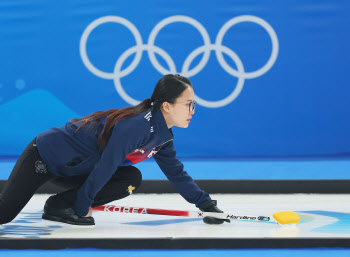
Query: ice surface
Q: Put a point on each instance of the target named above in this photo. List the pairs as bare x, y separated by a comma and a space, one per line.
321, 216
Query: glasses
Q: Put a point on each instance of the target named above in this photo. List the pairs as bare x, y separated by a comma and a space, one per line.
191, 105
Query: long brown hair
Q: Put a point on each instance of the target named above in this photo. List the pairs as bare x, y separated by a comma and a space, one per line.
168, 88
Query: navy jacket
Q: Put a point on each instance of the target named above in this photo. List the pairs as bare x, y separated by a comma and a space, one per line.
133, 139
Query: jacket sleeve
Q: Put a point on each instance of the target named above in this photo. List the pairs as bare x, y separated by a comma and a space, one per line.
127, 135
173, 169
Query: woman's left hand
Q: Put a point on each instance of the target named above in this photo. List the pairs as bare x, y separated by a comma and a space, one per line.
210, 206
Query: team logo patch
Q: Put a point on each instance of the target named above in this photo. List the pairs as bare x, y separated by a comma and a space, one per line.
151, 153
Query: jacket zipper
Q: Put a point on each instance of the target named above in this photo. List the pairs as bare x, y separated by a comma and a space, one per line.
162, 143
153, 150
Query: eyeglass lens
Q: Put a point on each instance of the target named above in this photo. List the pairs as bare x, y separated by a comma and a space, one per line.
192, 106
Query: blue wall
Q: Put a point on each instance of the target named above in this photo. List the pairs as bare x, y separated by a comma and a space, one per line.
296, 105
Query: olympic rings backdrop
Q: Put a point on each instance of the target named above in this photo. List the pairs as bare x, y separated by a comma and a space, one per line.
270, 77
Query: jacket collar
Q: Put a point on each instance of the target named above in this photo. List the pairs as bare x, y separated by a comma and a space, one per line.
161, 126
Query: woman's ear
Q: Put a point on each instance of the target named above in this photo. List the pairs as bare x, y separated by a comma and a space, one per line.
166, 106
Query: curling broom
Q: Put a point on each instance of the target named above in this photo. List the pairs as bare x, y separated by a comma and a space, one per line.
283, 217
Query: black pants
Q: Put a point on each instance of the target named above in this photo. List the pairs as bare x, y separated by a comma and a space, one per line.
24, 181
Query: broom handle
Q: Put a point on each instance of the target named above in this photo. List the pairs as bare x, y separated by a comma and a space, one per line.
193, 214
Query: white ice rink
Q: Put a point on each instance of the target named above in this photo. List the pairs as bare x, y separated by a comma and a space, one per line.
321, 216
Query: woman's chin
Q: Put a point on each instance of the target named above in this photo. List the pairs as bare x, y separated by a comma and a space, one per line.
183, 125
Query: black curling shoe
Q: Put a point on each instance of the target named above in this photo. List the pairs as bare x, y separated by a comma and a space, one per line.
65, 215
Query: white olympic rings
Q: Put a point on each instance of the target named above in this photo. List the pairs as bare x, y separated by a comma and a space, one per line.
205, 49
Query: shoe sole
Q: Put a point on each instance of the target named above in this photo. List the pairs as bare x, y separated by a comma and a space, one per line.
58, 219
